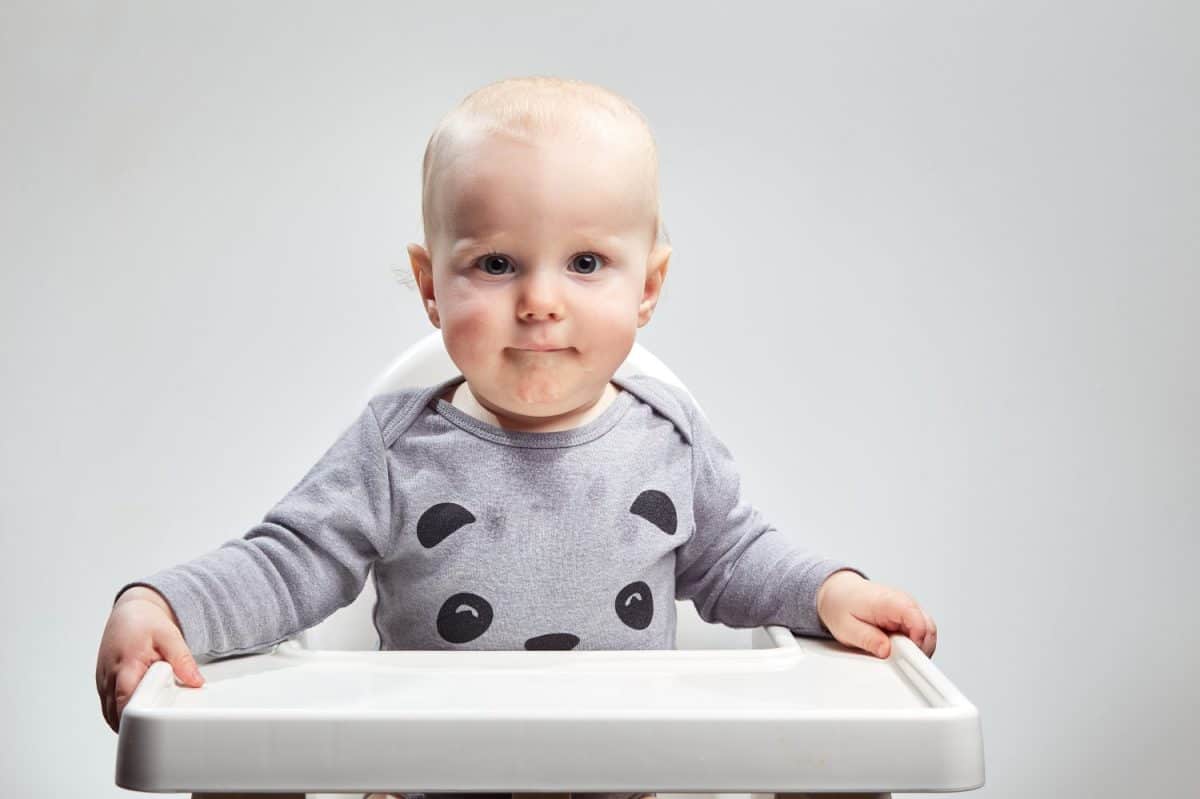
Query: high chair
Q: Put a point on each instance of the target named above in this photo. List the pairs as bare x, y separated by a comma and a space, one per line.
739, 713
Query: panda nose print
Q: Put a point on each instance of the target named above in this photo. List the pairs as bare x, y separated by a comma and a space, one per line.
553, 641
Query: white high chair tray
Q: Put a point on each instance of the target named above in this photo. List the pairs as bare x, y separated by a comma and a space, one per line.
804, 714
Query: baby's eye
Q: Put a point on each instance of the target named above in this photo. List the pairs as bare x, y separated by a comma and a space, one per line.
590, 261
494, 259
496, 264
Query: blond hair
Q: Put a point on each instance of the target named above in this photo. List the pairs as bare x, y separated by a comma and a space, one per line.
527, 107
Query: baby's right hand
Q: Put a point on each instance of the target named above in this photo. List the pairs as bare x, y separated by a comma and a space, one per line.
141, 629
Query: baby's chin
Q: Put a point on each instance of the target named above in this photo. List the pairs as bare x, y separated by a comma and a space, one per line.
542, 395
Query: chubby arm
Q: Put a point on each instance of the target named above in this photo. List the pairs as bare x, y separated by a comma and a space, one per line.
737, 568
308, 557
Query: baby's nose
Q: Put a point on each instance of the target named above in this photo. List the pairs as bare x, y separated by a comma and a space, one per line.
553, 641
540, 298
541, 311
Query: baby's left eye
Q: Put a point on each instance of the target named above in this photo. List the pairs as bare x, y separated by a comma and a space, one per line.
590, 262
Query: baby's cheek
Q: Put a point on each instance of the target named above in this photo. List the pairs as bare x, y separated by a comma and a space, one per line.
616, 322
470, 332
467, 353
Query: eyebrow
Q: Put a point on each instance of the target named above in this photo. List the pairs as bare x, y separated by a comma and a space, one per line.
471, 242
464, 244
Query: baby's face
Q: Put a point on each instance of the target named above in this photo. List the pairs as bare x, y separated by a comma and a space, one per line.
543, 267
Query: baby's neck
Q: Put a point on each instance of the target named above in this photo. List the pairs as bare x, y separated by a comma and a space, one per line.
462, 397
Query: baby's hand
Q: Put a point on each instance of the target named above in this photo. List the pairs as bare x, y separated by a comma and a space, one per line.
141, 629
861, 613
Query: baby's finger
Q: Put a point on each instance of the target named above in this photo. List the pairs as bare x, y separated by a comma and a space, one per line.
930, 637
175, 651
898, 611
100, 693
110, 707
915, 625
127, 682
886, 608
865, 636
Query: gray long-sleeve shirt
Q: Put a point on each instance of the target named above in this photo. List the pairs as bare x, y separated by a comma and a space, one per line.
486, 538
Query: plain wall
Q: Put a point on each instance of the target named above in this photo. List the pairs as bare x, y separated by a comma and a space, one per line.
935, 282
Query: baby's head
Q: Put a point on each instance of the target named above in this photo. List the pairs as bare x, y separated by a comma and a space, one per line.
542, 230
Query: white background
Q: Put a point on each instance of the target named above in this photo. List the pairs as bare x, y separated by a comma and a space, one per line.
935, 282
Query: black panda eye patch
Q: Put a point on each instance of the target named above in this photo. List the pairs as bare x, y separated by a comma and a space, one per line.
440, 521
657, 508
464, 617
635, 605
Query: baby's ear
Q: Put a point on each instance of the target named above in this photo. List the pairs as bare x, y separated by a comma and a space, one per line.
420, 259
422, 269
656, 272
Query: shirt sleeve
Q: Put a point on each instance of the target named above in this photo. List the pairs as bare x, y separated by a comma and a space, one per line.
737, 568
308, 557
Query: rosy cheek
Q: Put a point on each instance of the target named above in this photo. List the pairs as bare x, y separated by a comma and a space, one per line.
470, 330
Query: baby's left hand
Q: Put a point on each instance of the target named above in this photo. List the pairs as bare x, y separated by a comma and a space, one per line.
861, 613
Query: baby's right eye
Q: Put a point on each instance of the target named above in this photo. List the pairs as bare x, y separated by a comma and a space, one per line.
494, 259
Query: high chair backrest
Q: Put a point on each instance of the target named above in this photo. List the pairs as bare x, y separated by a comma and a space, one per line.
423, 364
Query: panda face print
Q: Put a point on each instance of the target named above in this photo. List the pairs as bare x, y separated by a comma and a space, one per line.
466, 615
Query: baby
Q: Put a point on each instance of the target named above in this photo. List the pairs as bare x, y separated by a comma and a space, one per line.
536, 500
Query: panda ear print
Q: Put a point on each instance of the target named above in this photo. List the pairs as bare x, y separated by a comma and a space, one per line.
657, 508
440, 521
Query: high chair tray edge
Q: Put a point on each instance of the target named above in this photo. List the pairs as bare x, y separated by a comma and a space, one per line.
799, 714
